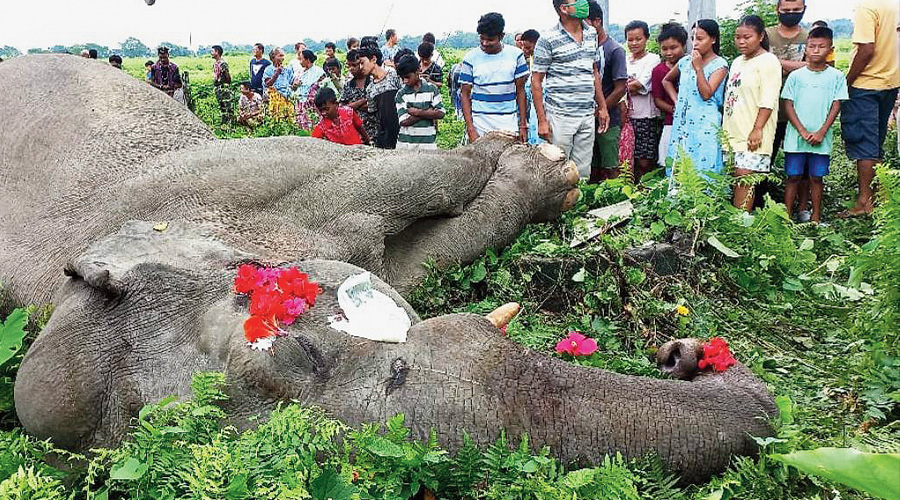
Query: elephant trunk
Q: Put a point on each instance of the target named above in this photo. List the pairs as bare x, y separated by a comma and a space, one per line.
694, 427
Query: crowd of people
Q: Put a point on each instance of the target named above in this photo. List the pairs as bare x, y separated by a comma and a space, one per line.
605, 105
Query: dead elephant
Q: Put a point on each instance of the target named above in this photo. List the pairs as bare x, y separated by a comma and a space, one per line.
161, 305
88, 153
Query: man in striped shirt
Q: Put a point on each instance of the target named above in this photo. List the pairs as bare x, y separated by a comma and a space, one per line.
419, 105
566, 84
492, 81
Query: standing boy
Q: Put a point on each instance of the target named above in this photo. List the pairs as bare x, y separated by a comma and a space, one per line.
613, 69
430, 70
339, 124
672, 42
812, 99
492, 83
419, 105
222, 84
381, 97
258, 66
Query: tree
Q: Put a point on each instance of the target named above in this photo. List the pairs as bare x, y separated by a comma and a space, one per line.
6, 52
102, 50
176, 50
132, 47
37, 51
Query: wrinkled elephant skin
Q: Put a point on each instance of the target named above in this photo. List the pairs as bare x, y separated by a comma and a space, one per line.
91, 159
144, 309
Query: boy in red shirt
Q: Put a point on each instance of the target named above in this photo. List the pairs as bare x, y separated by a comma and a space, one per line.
339, 124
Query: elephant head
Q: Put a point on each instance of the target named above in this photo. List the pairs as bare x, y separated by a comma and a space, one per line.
144, 309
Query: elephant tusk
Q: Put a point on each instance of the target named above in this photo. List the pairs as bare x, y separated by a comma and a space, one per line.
502, 315
571, 199
571, 173
551, 152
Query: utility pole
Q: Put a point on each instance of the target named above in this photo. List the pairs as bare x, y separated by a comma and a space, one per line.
604, 4
700, 9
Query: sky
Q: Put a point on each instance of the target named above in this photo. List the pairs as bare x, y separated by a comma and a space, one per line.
205, 22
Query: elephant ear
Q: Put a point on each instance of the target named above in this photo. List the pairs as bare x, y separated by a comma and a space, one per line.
106, 262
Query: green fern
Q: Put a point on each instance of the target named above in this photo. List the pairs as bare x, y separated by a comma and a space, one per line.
31, 484
655, 481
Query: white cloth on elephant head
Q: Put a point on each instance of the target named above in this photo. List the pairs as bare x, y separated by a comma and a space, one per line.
369, 313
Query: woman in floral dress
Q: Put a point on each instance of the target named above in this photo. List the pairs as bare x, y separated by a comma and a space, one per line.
698, 102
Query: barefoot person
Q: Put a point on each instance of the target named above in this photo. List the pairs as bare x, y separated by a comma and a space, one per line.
873, 80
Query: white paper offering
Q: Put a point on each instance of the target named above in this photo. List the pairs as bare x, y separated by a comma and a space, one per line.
369, 313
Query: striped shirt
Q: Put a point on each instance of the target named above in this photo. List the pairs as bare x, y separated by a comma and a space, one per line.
569, 68
493, 80
422, 134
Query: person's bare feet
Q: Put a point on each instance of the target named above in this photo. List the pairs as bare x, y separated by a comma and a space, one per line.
857, 211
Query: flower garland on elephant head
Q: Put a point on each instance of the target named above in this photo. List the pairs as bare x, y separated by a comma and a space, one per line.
277, 297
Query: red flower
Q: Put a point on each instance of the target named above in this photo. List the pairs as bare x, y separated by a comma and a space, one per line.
276, 296
577, 344
258, 327
311, 290
716, 355
247, 279
267, 304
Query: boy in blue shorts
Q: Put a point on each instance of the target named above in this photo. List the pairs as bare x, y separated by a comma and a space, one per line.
812, 100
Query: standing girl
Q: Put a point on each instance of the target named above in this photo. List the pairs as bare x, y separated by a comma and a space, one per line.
672, 41
644, 115
751, 105
306, 85
698, 100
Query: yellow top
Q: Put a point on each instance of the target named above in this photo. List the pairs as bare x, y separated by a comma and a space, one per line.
875, 22
752, 84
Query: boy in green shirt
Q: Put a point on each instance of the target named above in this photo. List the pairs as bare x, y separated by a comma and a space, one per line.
812, 98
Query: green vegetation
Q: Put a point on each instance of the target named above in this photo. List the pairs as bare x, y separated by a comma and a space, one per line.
812, 310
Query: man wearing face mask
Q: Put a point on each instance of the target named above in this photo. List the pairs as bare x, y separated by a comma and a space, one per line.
788, 42
567, 90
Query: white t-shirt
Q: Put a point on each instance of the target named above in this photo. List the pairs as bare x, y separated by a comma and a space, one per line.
642, 71
297, 68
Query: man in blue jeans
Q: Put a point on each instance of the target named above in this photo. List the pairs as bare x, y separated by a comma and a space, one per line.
873, 81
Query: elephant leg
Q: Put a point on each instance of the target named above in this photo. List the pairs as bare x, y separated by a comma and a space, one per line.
530, 185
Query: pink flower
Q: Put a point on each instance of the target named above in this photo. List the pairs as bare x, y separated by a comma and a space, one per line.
292, 308
577, 344
268, 277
